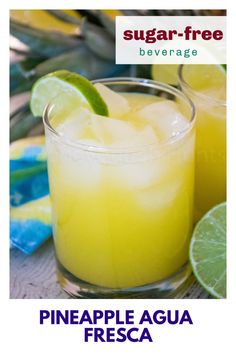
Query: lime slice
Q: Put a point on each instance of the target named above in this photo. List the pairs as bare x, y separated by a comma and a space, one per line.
51, 85
167, 73
224, 66
208, 251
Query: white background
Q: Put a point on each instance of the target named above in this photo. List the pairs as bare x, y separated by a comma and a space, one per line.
214, 320
208, 52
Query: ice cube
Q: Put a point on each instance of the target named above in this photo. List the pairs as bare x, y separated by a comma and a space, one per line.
89, 171
110, 131
80, 169
145, 136
143, 174
159, 197
119, 133
139, 175
117, 104
164, 117
75, 124
77, 165
85, 127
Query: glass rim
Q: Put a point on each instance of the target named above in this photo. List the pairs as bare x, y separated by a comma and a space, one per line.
125, 149
196, 93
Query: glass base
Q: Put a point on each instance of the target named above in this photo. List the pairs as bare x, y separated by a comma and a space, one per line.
163, 289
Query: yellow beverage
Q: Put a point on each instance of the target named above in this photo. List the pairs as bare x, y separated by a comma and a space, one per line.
206, 86
122, 190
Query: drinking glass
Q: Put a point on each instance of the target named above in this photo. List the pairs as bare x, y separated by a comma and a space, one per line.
122, 217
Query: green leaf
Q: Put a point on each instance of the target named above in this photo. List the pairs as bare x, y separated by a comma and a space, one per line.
61, 15
81, 61
18, 82
98, 40
45, 43
107, 22
22, 121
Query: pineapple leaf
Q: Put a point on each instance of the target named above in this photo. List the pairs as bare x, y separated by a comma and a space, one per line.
18, 81
96, 37
98, 40
61, 15
21, 75
81, 61
107, 22
22, 121
45, 43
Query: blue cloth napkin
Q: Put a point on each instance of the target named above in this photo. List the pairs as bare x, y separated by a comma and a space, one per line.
30, 212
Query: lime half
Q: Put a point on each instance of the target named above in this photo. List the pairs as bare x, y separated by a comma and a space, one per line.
208, 251
51, 85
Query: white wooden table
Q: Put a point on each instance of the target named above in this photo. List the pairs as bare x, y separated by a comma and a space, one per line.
34, 277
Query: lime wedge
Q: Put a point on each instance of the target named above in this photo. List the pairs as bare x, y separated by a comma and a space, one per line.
167, 73
208, 251
224, 66
51, 85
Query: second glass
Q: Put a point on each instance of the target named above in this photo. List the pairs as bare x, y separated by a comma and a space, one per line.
208, 94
